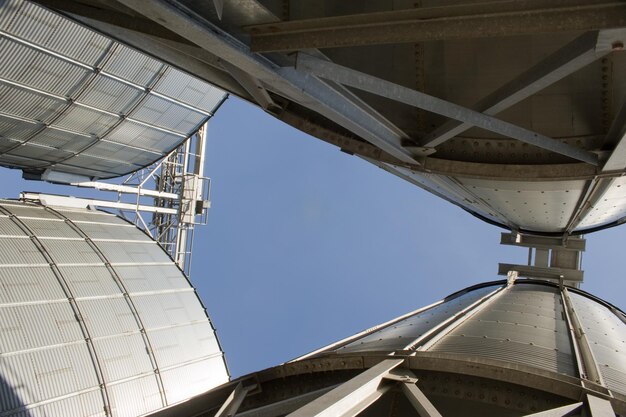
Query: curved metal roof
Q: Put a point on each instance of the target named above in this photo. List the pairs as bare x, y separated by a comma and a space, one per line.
95, 318
503, 348
526, 323
75, 101
513, 111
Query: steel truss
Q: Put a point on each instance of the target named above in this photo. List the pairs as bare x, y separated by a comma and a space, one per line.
166, 200
362, 391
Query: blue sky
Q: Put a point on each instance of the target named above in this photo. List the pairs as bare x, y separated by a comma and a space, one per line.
306, 245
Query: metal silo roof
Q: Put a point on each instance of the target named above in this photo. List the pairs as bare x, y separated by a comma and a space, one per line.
95, 318
74, 101
525, 323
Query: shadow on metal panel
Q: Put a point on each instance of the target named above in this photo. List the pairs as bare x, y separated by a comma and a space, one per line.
10, 402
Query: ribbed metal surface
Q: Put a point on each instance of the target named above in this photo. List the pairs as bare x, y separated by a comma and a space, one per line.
403, 333
525, 325
142, 136
135, 67
197, 374
54, 59
138, 396
16, 129
76, 332
607, 335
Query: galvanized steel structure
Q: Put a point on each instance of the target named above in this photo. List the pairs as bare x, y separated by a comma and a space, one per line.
512, 110
504, 348
77, 102
95, 318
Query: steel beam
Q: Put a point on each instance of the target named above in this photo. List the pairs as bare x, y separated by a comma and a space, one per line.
283, 407
470, 21
429, 338
353, 396
577, 54
531, 271
616, 137
349, 77
542, 242
419, 401
301, 88
252, 86
64, 201
566, 410
599, 407
234, 400
588, 368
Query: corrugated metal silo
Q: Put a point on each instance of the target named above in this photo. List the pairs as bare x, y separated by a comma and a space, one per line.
75, 101
95, 318
505, 348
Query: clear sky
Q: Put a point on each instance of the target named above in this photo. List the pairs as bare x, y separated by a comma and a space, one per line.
307, 245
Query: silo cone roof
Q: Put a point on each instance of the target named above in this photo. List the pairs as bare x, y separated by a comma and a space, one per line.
74, 101
95, 318
501, 348
523, 324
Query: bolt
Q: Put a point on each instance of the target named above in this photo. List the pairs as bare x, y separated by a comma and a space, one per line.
617, 45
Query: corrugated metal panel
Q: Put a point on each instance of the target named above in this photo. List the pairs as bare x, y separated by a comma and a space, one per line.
45, 374
111, 95
28, 284
45, 72
189, 90
133, 252
57, 73
19, 161
90, 281
91, 216
19, 251
71, 251
607, 337
9, 228
83, 170
170, 348
107, 317
86, 121
44, 352
17, 129
151, 278
50, 228
5, 145
526, 324
123, 356
107, 231
84, 404
63, 370
159, 112
27, 104
169, 309
70, 142
43, 154
403, 333
118, 152
41, 325
23, 210
193, 379
135, 397
133, 66
141, 136
39, 26
100, 165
